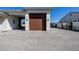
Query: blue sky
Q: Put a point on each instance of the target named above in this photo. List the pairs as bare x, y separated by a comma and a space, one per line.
11, 8
56, 14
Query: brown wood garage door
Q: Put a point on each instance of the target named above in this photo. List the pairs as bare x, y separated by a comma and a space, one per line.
35, 24
37, 21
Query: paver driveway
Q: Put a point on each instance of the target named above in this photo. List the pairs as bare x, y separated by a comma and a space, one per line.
56, 39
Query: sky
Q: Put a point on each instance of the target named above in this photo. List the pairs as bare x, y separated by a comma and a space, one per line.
56, 13
11, 8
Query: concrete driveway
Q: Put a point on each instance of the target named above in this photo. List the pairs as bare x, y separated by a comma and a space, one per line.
54, 40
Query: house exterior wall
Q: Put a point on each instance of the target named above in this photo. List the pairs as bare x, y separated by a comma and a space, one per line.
37, 10
64, 25
48, 21
59, 25
14, 21
72, 20
2, 19
7, 23
73, 16
27, 22
76, 26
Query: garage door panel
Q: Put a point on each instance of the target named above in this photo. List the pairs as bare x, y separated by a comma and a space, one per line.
35, 24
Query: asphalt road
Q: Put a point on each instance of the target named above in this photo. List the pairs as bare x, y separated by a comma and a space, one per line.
54, 40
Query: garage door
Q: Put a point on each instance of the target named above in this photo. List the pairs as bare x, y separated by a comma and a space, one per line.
37, 21
35, 24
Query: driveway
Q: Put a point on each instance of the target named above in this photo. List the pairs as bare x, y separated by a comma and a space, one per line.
54, 40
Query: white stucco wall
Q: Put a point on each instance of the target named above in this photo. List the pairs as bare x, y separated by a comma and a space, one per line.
64, 25
11, 21
75, 26
7, 23
27, 22
48, 21
38, 10
59, 25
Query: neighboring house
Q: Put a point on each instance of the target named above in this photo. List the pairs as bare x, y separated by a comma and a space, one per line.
53, 25
30, 18
71, 21
59, 25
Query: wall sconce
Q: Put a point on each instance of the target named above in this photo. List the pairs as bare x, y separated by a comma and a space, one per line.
26, 20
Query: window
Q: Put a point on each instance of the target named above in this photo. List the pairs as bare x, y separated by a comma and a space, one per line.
14, 21
75, 21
